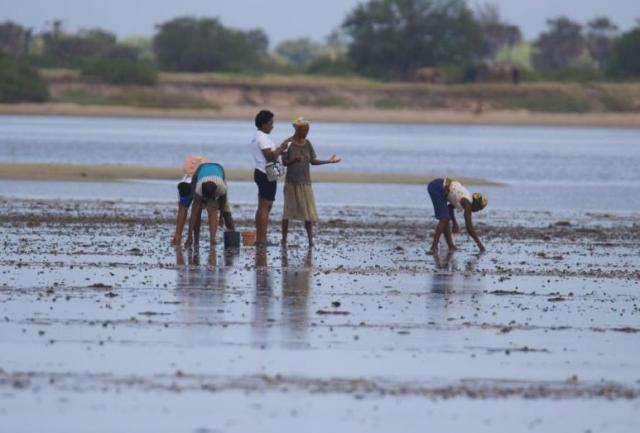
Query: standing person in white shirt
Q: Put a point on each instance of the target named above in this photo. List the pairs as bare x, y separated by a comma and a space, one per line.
264, 152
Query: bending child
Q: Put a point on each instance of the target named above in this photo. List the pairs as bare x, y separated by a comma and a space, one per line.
184, 194
209, 190
447, 195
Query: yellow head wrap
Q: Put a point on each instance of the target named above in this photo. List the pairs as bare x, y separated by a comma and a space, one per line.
300, 121
481, 199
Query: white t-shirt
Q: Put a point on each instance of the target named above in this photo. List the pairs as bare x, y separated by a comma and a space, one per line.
261, 141
456, 193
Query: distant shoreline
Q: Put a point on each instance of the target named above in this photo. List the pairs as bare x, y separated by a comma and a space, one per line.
351, 115
89, 173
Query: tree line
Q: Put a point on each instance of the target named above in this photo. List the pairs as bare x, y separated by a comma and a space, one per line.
442, 40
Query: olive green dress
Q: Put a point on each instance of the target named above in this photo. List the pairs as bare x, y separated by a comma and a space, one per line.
299, 202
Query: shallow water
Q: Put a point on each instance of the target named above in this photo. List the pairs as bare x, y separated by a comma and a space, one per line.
105, 327
510, 154
569, 200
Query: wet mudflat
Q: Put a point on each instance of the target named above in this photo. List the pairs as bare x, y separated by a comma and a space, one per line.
105, 327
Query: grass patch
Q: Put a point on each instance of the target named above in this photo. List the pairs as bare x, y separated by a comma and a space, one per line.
322, 101
150, 98
550, 102
82, 97
143, 98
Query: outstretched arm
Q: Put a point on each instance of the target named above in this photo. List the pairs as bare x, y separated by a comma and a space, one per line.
332, 160
469, 224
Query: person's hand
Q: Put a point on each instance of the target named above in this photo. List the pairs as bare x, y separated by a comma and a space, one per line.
334, 159
298, 158
175, 240
285, 143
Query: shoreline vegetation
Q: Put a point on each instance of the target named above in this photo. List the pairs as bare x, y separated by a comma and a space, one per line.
343, 99
89, 173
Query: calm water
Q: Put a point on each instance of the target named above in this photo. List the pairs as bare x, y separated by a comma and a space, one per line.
516, 155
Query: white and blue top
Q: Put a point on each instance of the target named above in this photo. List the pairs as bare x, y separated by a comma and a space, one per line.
210, 172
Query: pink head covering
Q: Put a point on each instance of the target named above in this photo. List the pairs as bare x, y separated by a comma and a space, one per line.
192, 162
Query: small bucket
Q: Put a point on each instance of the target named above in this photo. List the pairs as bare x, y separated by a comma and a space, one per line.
249, 238
231, 240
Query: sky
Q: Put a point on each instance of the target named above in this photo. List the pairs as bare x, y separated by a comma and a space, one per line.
280, 19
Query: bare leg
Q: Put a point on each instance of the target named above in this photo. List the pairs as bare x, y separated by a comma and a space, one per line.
285, 231
180, 221
212, 213
308, 225
262, 220
449, 237
193, 234
196, 225
440, 228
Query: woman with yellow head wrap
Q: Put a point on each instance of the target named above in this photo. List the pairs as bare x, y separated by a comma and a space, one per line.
299, 201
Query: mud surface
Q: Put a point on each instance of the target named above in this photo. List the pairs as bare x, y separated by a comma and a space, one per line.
105, 327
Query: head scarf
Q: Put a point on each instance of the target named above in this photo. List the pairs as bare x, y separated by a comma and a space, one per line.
481, 199
300, 121
191, 164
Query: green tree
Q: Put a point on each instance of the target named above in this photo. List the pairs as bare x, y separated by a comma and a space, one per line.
390, 39
61, 49
202, 45
563, 46
625, 61
300, 52
20, 82
600, 37
14, 39
496, 34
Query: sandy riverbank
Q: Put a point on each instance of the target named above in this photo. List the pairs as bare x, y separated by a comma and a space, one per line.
356, 115
57, 172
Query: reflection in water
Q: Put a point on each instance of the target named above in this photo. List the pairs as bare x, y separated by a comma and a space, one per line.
201, 289
263, 305
296, 282
448, 273
448, 281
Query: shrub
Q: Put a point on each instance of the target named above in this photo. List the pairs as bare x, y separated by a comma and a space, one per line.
120, 71
327, 66
21, 82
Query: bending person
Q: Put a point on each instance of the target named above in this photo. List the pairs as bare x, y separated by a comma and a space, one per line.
184, 194
447, 195
209, 191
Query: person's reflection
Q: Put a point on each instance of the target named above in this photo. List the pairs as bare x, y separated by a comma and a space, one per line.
448, 282
442, 279
295, 294
263, 298
200, 289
